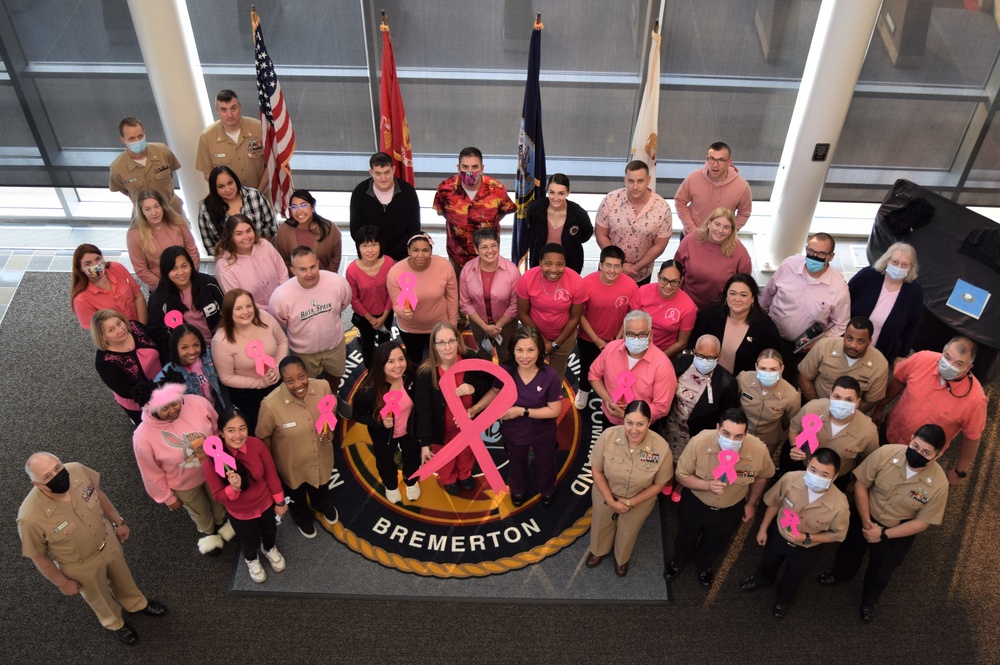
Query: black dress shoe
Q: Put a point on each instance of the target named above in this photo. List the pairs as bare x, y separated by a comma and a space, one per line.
452, 488
154, 608
621, 570
548, 500
126, 635
778, 611
706, 578
828, 578
468, 484
750, 584
517, 500
671, 571
867, 613
593, 560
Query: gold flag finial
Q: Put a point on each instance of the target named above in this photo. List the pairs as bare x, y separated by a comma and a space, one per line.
384, 27
538, 21
656, 26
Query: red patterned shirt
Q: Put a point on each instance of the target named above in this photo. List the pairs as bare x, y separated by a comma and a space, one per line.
463, 216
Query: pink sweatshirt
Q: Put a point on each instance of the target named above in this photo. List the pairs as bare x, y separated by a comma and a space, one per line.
312, 317
147, 266
260, 273
436, 291
234, 366
169, 453
707, 269
699, 195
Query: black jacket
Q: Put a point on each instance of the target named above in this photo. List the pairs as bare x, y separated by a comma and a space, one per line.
762, 334
725, 395
366, 413
397, 222
429, 404
209, 294
575, 232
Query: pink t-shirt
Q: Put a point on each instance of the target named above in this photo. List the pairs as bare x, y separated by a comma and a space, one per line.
401, 415
550, 302
707, 269
204, 384
886, 301
607, 305
195, 318
369, 294
437, 295
670, 317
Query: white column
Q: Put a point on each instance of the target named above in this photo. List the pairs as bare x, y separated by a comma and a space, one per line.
163, 28
843, 31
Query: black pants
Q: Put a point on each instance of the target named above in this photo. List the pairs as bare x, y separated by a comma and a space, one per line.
798, 562
703, 533
883, 558
588, 354
256, 533
319, 498
643, 282
415, 346
369, 336
388, 472
791, 360
248, 401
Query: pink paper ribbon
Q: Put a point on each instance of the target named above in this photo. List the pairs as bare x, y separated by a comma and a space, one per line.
407, 284
811, 425
255, 349
625, 380
173, 318
790, 520
726, 471
391, 400
471, 429
214, 449
326, 415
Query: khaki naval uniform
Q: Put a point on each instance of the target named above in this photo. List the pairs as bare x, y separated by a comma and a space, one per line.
826, 362
245, 157
131, 178
628, 473
708, 520
893, 498
80, 539
853, 443
769, 410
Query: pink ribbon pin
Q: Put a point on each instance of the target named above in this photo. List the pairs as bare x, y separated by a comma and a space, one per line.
391, 399
790, 520
213, 448
326, 416
625, 380
255, 349
471, 429
407, 284
726, 471
173, 318
811, 425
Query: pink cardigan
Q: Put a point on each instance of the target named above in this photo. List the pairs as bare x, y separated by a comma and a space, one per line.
260, 273
234, 366
147, 266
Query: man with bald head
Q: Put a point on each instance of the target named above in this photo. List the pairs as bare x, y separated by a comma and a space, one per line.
73, 534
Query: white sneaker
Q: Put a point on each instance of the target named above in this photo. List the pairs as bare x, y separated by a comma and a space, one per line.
582, 397
413, 491
257, 573
394, 496
275, 559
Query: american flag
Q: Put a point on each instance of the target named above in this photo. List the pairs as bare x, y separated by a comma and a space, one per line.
279, 137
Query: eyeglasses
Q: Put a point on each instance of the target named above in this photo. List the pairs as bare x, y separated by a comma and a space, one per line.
813, 254
296, 206
446, 342
704, 357
614, 267
369, 245
632, 335
716, 160
669, 282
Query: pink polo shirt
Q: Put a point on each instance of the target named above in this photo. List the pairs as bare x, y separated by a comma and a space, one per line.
925, 401
260, 273
794, 300
312, 317
503, 298
670, 317
607, 305
655, 380
551, 301
121, 297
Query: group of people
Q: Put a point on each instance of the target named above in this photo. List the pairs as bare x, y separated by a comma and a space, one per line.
232, 380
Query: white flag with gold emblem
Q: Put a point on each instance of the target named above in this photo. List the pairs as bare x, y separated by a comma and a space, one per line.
644, 136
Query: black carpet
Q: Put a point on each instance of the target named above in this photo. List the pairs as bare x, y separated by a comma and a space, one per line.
941, 605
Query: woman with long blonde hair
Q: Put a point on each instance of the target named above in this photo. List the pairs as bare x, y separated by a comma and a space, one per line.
155, 226
711, 255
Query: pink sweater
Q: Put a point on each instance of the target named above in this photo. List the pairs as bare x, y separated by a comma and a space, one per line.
147, 266
312, 317
436, 291
707, 269
234, 366
699, 195
169, 453
260, 273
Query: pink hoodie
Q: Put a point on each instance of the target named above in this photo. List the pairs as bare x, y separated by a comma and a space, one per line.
699, 195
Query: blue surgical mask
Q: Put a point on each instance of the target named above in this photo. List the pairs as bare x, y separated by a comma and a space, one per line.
138, 147
768, 379
816, 483
728, 444
636, 345
704, 366
814, 265
895, 272
841, 409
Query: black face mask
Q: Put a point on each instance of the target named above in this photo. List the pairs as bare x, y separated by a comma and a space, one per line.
915, 460
59, 483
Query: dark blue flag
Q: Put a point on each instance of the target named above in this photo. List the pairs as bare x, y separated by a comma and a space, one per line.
530, 181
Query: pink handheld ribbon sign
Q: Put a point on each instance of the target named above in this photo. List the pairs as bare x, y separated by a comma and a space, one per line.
326, 415
625, 380
790, 520
173, 318
214, 449
391, 400
811, 425
255, 349
726, 471
407, 293
471, 429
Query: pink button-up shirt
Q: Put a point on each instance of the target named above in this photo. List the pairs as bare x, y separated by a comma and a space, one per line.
655, 380
795, 301
503, 299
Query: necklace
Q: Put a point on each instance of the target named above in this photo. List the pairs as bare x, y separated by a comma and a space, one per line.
546, 291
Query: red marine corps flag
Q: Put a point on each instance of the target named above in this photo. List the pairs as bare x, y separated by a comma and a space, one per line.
279, 137
394, 134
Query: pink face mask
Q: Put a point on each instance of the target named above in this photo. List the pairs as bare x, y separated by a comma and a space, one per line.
469, 178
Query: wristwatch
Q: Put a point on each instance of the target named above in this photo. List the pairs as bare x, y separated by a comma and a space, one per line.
961, 474
808, 540
526, 412
555, 347
885, 536
114, 527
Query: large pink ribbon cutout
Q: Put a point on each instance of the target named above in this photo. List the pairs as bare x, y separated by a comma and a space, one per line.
625, 380
173, 318
471, 429
407, 293
214, 449
726, 471
391, 400
790, 520
326, 415
811, 425
255, 349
